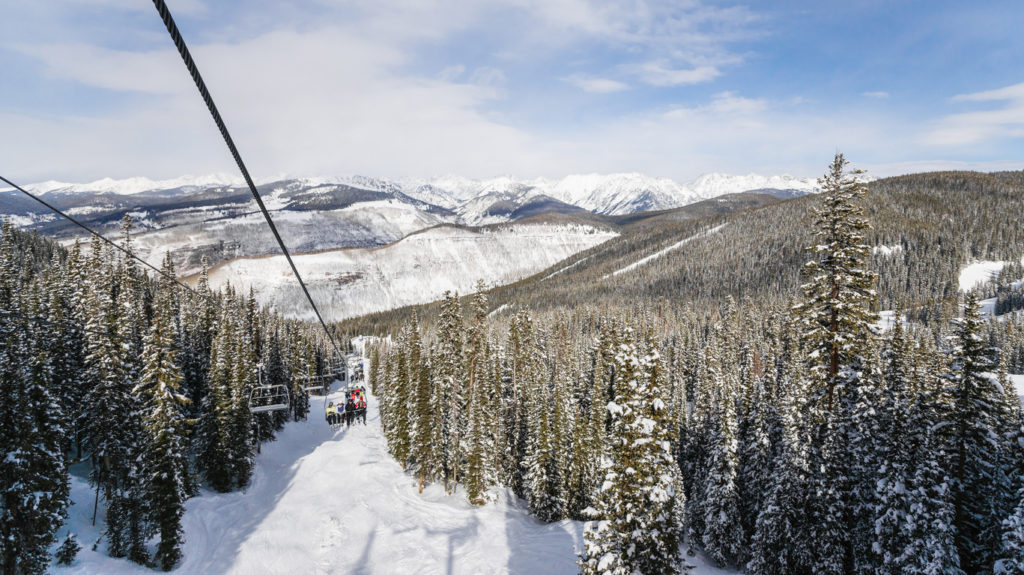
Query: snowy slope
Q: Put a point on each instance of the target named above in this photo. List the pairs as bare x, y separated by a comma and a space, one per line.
417, 269
1018, 382
324, 502
979, 272
662, 252
373, 223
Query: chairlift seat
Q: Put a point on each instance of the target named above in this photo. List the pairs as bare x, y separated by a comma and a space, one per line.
268, 398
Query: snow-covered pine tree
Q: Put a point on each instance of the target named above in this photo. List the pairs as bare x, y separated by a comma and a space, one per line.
446, 369
722, 536
780, 543
927, 531
836, 313
480, 474
589, 441
542, 476
836, 321
972, 422
165, 425
422, 410
68, 550
521, 371
214, 438
200, 318
241, 448
638, 528
1012, 560
109, 415
32, 467
481, 448
759, 431
890, 497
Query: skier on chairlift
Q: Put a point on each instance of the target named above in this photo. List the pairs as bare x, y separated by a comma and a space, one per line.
332, 414
350, 412
361, 408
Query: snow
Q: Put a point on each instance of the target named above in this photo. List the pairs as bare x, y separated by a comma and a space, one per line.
618, 193
564, 269
664, 251
325, 501
979, 272
417, 269
136, 185
886, 321
887, 250
1018, 382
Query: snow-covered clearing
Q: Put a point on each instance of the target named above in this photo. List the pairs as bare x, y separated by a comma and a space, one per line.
1018, 382
325, 501
977, 273
887, 250
660, 253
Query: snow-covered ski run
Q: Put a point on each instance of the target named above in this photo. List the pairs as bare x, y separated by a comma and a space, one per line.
326, 501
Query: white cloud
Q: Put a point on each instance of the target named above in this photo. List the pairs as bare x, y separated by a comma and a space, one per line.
660, 73
159, 72
970, 128
487, 76
877, 95
314, 98
595, 85
451, 73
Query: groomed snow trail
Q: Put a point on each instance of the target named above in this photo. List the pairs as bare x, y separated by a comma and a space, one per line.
325, 501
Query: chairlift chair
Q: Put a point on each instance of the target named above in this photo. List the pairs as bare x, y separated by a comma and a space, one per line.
314, 387
268, 398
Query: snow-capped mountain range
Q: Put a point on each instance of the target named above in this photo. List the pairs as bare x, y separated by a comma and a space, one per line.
610, 194
344, 224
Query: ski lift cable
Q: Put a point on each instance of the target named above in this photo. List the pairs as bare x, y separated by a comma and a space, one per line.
96, 234
186, 56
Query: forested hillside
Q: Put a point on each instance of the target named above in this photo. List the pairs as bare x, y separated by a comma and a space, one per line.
781, 431
925, 228
137, 383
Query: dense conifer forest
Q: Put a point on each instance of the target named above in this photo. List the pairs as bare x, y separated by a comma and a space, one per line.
740, 395
136, 382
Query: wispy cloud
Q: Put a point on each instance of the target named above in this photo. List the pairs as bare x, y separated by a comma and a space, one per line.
595, 84
660, 73
967, 128
878, 95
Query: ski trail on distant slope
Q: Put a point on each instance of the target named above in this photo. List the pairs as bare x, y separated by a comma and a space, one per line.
660, 253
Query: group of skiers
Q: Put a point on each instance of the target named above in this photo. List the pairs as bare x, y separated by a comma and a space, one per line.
354, 409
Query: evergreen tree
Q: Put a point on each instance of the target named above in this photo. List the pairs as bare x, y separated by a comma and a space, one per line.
68, 550
974, 457
165, 425
32, 467
446, 369
1012, 561
722, 536
638, 528
480, 474
424, 424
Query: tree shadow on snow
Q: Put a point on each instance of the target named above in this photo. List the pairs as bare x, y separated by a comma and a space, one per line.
460, 539
536, 547
363, 566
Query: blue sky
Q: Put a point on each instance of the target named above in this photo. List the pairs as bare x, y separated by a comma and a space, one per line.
415, 88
